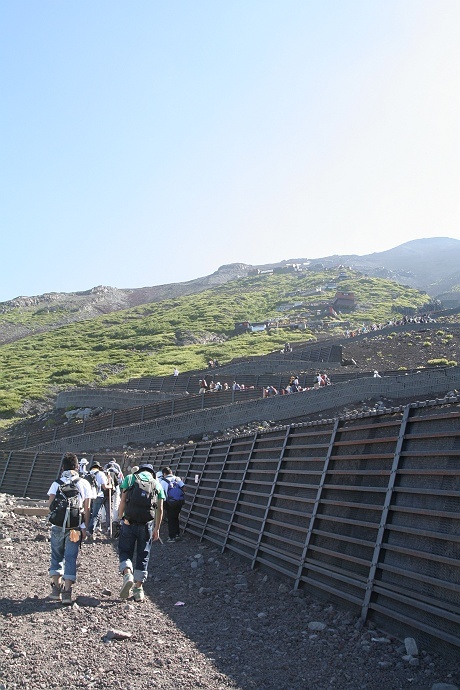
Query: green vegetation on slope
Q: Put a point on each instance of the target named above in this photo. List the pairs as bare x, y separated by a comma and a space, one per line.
147, 340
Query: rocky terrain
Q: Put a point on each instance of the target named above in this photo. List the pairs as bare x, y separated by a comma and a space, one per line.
208, 621
429, 264
63, 308
386, 351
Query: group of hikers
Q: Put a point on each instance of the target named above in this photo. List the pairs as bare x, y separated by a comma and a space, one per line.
321, 379
360, 330
206, 385
134, 504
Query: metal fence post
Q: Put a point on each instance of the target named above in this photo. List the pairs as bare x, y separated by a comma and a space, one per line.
270, 497
216, 488
243, 479
315, 508
384, 516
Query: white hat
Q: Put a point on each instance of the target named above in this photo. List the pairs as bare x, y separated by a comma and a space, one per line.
83, 461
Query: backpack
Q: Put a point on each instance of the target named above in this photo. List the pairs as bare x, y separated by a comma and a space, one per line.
141, 501
174, 492
112, 474
91, 479
65, 510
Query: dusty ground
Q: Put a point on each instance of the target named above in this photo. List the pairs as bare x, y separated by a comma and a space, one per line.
409, 350
236, 629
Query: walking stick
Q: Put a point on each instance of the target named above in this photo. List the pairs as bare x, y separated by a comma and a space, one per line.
110, 512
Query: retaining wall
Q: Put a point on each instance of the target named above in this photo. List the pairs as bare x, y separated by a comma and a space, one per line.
109, 398
427, 382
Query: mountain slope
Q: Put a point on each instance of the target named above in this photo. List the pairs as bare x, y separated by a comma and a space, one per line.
187, 331
430, 264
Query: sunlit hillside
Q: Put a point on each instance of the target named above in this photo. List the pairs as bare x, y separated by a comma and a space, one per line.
188, 331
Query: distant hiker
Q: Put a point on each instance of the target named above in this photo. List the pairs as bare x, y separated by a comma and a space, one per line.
69, 503
270, 391
174, 490
140, 513
100, 481
203, 386
294, 384
376, 374
112, 493
208, 378
236, 386
176, 371
82, 465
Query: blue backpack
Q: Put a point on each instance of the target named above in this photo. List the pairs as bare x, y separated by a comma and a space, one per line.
175, 492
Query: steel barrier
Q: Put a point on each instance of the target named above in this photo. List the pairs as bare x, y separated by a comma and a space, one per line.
365, 512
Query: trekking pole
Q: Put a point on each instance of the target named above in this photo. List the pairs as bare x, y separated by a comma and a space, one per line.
110, 512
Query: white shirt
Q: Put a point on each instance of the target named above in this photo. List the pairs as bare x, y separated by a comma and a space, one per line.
101, 480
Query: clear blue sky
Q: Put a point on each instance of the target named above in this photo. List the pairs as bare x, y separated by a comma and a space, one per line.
151, 142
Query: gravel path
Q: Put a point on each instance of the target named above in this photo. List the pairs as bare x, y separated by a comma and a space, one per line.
235, 628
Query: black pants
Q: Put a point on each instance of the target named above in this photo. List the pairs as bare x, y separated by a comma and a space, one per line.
173, 509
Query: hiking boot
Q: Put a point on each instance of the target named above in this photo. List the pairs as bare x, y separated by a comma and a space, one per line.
138, 593
128, 581
66, 597
170, 541
56, 592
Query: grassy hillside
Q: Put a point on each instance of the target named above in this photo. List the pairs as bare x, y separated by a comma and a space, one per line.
184, 332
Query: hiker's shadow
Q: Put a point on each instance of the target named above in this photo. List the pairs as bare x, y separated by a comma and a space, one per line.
24, 607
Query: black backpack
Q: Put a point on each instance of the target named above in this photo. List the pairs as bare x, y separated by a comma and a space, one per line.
141, 501
65, 510
91, 479
112, 474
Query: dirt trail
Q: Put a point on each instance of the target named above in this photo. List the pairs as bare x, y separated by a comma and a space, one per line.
208, 621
